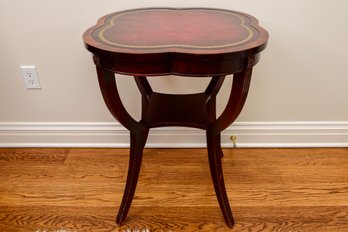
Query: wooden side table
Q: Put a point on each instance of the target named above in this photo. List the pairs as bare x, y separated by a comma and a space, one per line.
195, 42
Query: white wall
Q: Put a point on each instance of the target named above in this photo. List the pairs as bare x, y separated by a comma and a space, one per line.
302, 75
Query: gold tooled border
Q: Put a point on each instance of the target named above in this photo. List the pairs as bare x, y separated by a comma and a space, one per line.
112, 22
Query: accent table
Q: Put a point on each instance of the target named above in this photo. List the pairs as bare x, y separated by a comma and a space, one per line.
194, 42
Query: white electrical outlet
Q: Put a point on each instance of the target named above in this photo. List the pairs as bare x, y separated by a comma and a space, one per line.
30, 77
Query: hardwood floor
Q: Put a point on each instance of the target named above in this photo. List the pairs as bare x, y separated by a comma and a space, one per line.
69, 190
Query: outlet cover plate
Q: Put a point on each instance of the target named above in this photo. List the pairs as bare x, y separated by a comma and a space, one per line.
30, 76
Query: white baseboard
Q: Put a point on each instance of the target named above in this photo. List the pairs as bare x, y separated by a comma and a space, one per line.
249, 134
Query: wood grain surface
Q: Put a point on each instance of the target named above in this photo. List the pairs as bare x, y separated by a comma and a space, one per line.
68, 190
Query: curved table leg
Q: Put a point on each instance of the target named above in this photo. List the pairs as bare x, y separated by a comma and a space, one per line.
238, 95
138, 136
146, 91
136, 153
239, 91
218, 178
212, 90
107, 84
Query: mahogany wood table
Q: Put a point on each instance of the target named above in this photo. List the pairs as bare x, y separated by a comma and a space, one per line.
195, 42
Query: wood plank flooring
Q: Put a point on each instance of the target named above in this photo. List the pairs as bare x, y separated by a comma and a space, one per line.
74, 190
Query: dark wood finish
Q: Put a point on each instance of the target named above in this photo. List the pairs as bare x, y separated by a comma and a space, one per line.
190, 42
77, 189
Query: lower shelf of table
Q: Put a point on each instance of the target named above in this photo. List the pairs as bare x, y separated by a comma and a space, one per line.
176, 110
